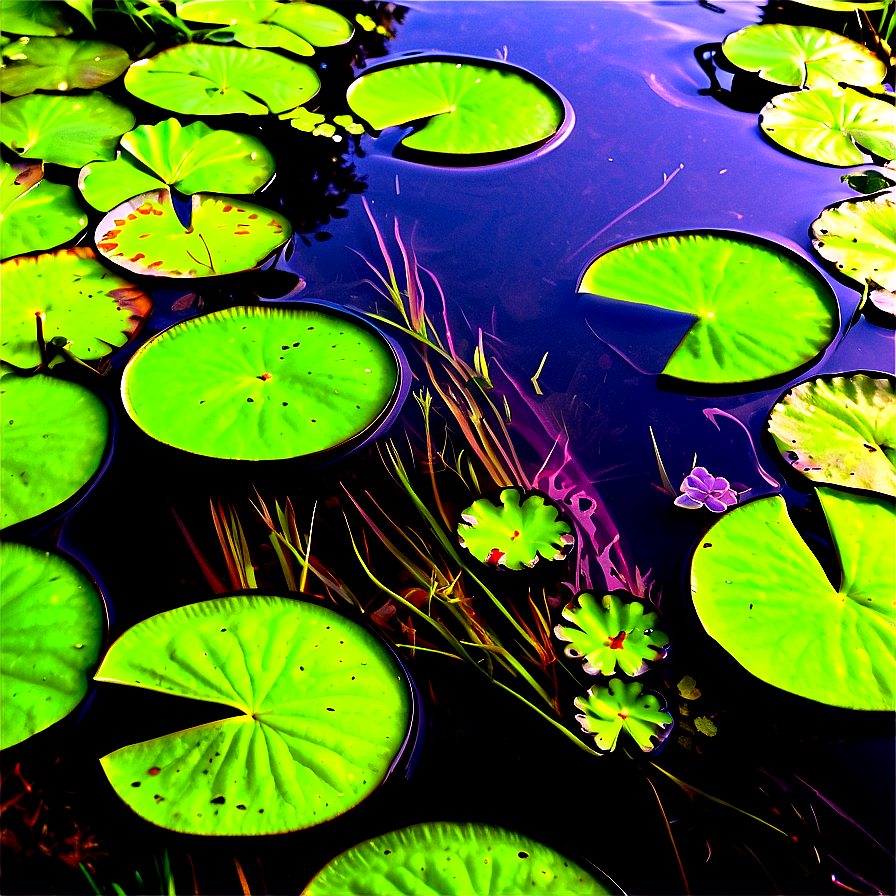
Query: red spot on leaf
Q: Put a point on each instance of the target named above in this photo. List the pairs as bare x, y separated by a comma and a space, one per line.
131, 217
494, 556
623, 714
616, 643
154, 770
157, 212
516, 534
227, 208
107, 247
119, 222
111, 234
252, 217
138, 256
144, 209
155, 264
241, 233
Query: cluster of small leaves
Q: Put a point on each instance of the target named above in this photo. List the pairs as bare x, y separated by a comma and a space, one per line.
703, 725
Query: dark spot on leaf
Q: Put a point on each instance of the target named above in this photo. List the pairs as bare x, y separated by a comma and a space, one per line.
218, 801
135, 784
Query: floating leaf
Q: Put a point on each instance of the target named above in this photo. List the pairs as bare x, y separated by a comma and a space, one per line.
54, 439
263, 36
830, 124
761, 593
36, 213
303, 120
53, 626
324, 713
291, 383
515, 533
758, 310
706, 726
84, 303
36, 17
839, 431
859, 238
203, 79
144, 235
688, 689
803, 56
470, 107
54, 63
613, 633
868, 182
67, 130
609, 708
193, 159
456, 858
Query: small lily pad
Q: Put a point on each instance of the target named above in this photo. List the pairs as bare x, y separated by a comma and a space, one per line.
457, 859
613, 633
858, 237
55, 435
324, 711
803, 56
830, 124
204, 79
868, 182
839, 431
515, 533
762, 594
53, 626
608, 709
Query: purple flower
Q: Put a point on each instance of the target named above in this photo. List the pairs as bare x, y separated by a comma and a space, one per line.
701, 489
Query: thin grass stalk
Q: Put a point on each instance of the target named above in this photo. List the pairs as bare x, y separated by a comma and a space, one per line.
659, 802
303, 581
244, 884
227, 547
207, 570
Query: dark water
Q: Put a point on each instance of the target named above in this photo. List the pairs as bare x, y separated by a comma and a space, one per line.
506, 244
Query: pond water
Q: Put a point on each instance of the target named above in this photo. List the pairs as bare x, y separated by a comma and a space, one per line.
508, 244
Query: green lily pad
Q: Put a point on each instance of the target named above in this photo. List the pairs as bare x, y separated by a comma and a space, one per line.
517, 532
457, 858
868, 182
469, 107
67, 130
613, 633
803, 56
54, 439
36, 17
263, 36
757, 311
761, 593
830, 124
53, 626
839, 431
324, 710
35, 214
204, 79
859, 238
144, 235
193, 159
609, 709
55, 63
95, 311
292, 383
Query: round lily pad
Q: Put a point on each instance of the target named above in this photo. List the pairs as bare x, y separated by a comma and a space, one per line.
204, 79
803, 56
225, 235
517, 531
193, 159
258, 383
67, 130
762, 594
53, 627
471, 106
35, 17
859, 238
453, 858
54, 440
839, 431
324, 711
830, 124
758, 311
92, 309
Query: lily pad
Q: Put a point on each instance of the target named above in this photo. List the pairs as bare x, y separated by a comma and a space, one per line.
53, 627
291, 383
839, 431
457, 858
830, 124
323, 713
55, 435
204, 79
193, 159
609, 709
761, 593
858, 236
757, 310
35, 213
66, 130
35, 17
95, 311
470, 106
55, 63
144, 235
516, 532
613, 632
803, 56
